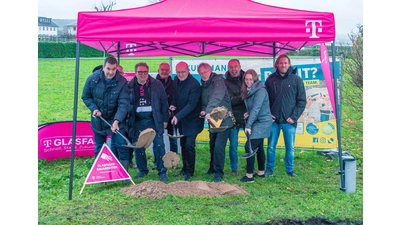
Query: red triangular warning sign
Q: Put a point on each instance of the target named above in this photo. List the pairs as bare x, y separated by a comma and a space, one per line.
106, 167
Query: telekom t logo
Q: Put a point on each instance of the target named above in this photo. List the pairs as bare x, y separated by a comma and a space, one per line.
314, 28
130, 48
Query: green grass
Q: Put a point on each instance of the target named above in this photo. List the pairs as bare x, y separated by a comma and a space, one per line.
314, 193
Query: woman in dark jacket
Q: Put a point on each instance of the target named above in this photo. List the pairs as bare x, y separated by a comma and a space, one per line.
258, 122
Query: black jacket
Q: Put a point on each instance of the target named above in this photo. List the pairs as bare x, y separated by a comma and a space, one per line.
234, 87
169, 88
159, 105
287, 95
188, 105
111, 99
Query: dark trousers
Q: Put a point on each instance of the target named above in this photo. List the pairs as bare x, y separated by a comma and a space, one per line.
255, 143
188, 145
217, 152
117, 145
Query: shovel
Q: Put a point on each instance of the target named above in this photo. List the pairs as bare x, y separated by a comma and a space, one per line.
251, 151
214, 129
128, 143
174, 129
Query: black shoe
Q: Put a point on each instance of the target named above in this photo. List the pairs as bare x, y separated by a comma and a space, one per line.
217, 179
247, 180
250, 153
180, 173
132, 165
260, 176
292, 174
209, 172
126, 182
163, 177
140, 175
187, 177
154, 167
234, 172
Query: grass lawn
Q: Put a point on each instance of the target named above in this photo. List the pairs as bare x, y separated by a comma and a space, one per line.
313, 194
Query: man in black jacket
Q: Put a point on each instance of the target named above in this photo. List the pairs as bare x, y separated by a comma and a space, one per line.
233, 82
186, 106
106, 94
148, 109
287, 97
164, 71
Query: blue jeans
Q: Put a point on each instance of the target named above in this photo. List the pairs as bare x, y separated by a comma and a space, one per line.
117, 145
159, 152
233, 148
289, 133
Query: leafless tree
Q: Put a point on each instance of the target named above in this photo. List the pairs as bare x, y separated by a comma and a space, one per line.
105, 6
353, 82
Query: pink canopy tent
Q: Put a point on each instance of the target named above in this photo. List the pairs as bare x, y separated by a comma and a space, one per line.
199, 28
204, 27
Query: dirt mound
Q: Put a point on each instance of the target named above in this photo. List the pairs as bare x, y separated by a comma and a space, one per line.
158, 189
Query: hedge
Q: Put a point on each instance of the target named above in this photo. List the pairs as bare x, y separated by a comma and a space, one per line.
65, 50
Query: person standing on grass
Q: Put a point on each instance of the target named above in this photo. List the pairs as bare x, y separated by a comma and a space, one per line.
164, 76
106, 94
186, 106
287, 98
233, 81
213, 95
148, 109
258, 122
131, 164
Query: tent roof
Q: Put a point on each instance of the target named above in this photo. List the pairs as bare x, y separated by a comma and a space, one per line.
204, 27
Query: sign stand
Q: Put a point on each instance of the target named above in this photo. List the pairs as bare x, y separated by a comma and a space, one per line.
106, 168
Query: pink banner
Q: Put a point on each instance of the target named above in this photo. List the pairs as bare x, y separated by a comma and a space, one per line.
55, 140
129, 75
326, 70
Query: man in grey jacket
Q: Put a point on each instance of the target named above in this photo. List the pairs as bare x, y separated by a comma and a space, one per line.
214, 94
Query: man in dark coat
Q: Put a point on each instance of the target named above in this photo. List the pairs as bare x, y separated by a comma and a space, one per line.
186, 106
106, 94
164, 76
287, 98
233, 82
213, 95
149, 109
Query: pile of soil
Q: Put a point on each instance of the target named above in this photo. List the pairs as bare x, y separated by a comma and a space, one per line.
158, 189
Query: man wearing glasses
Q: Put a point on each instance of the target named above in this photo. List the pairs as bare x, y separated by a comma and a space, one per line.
214, 94
148, 109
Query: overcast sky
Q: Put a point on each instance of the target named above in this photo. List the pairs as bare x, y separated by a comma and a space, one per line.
348, 13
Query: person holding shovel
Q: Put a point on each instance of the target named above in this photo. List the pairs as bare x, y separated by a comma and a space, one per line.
164, 75
213, 95
106, 94
186, 108
148, 109
258, 123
